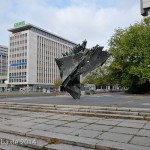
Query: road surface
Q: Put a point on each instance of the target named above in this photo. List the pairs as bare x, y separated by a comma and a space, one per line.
107, 99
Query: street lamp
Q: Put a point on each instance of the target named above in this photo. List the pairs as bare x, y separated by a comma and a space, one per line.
6, 82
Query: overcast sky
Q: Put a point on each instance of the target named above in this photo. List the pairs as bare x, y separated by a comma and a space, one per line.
76, 20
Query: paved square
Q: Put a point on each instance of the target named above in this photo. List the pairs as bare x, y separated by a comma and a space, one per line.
108, 122
70, 118
143, 132
86, 133
74, 132
117, 137
124, 130
145, 141
76, 125
57, 122
64, 130
132, 125
98, 127
88, 120
43, 127
147, 126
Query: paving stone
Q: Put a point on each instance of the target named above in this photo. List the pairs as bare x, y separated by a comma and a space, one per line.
143, 132
98, 127
43, 134
124, 130
39, 115
57, 116
39, 120
16, 113
76, 125
132, 125
135, 121
69, 139
138, 140
86, 133
14, 130
147, 126
119, 146
8, 117
88, 120
56, 122
24, 124
64, 147
64, 130
19, 121
118, 120
71, 118
13, 147
24, 119
23, 140
11, 122
108, 122
117, 137
28, 114
43, 127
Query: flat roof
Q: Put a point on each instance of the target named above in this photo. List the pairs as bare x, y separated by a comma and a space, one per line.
29, 26
2, 46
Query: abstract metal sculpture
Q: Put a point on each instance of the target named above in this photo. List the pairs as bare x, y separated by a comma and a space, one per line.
79, 60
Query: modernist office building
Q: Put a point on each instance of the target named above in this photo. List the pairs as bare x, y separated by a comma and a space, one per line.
3, 66
32, 51
145, 8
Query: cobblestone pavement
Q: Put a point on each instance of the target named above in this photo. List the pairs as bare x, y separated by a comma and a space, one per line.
38, 130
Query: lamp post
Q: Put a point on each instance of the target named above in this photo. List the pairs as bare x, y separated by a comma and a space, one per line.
6, 82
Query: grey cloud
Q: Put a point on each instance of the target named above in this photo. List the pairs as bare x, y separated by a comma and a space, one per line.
75, 22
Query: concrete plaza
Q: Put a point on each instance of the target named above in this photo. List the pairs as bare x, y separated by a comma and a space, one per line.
20, 129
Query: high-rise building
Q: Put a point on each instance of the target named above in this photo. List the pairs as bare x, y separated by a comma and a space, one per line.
32, 53
145, 8
3, 66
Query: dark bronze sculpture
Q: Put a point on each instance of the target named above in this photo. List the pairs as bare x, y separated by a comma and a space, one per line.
79, 61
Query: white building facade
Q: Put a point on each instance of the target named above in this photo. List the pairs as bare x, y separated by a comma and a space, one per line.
145, 8
32, 53
3, 66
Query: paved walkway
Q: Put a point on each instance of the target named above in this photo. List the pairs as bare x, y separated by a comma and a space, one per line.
39, 130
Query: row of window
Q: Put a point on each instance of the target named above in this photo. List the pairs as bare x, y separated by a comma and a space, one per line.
2, 53
18, 67
3, 56
2, 74
2, 68
52, 37
3, 49
43, 42
18, 55
17, 36
2, 81
17, 74
18, 61
18, 49
18, 42
17, 80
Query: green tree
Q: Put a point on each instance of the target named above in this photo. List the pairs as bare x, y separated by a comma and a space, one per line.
130, 49
57, 83
98, 76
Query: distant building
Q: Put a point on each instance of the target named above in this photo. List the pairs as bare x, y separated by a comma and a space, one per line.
31, 56
3, 66
145, 8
